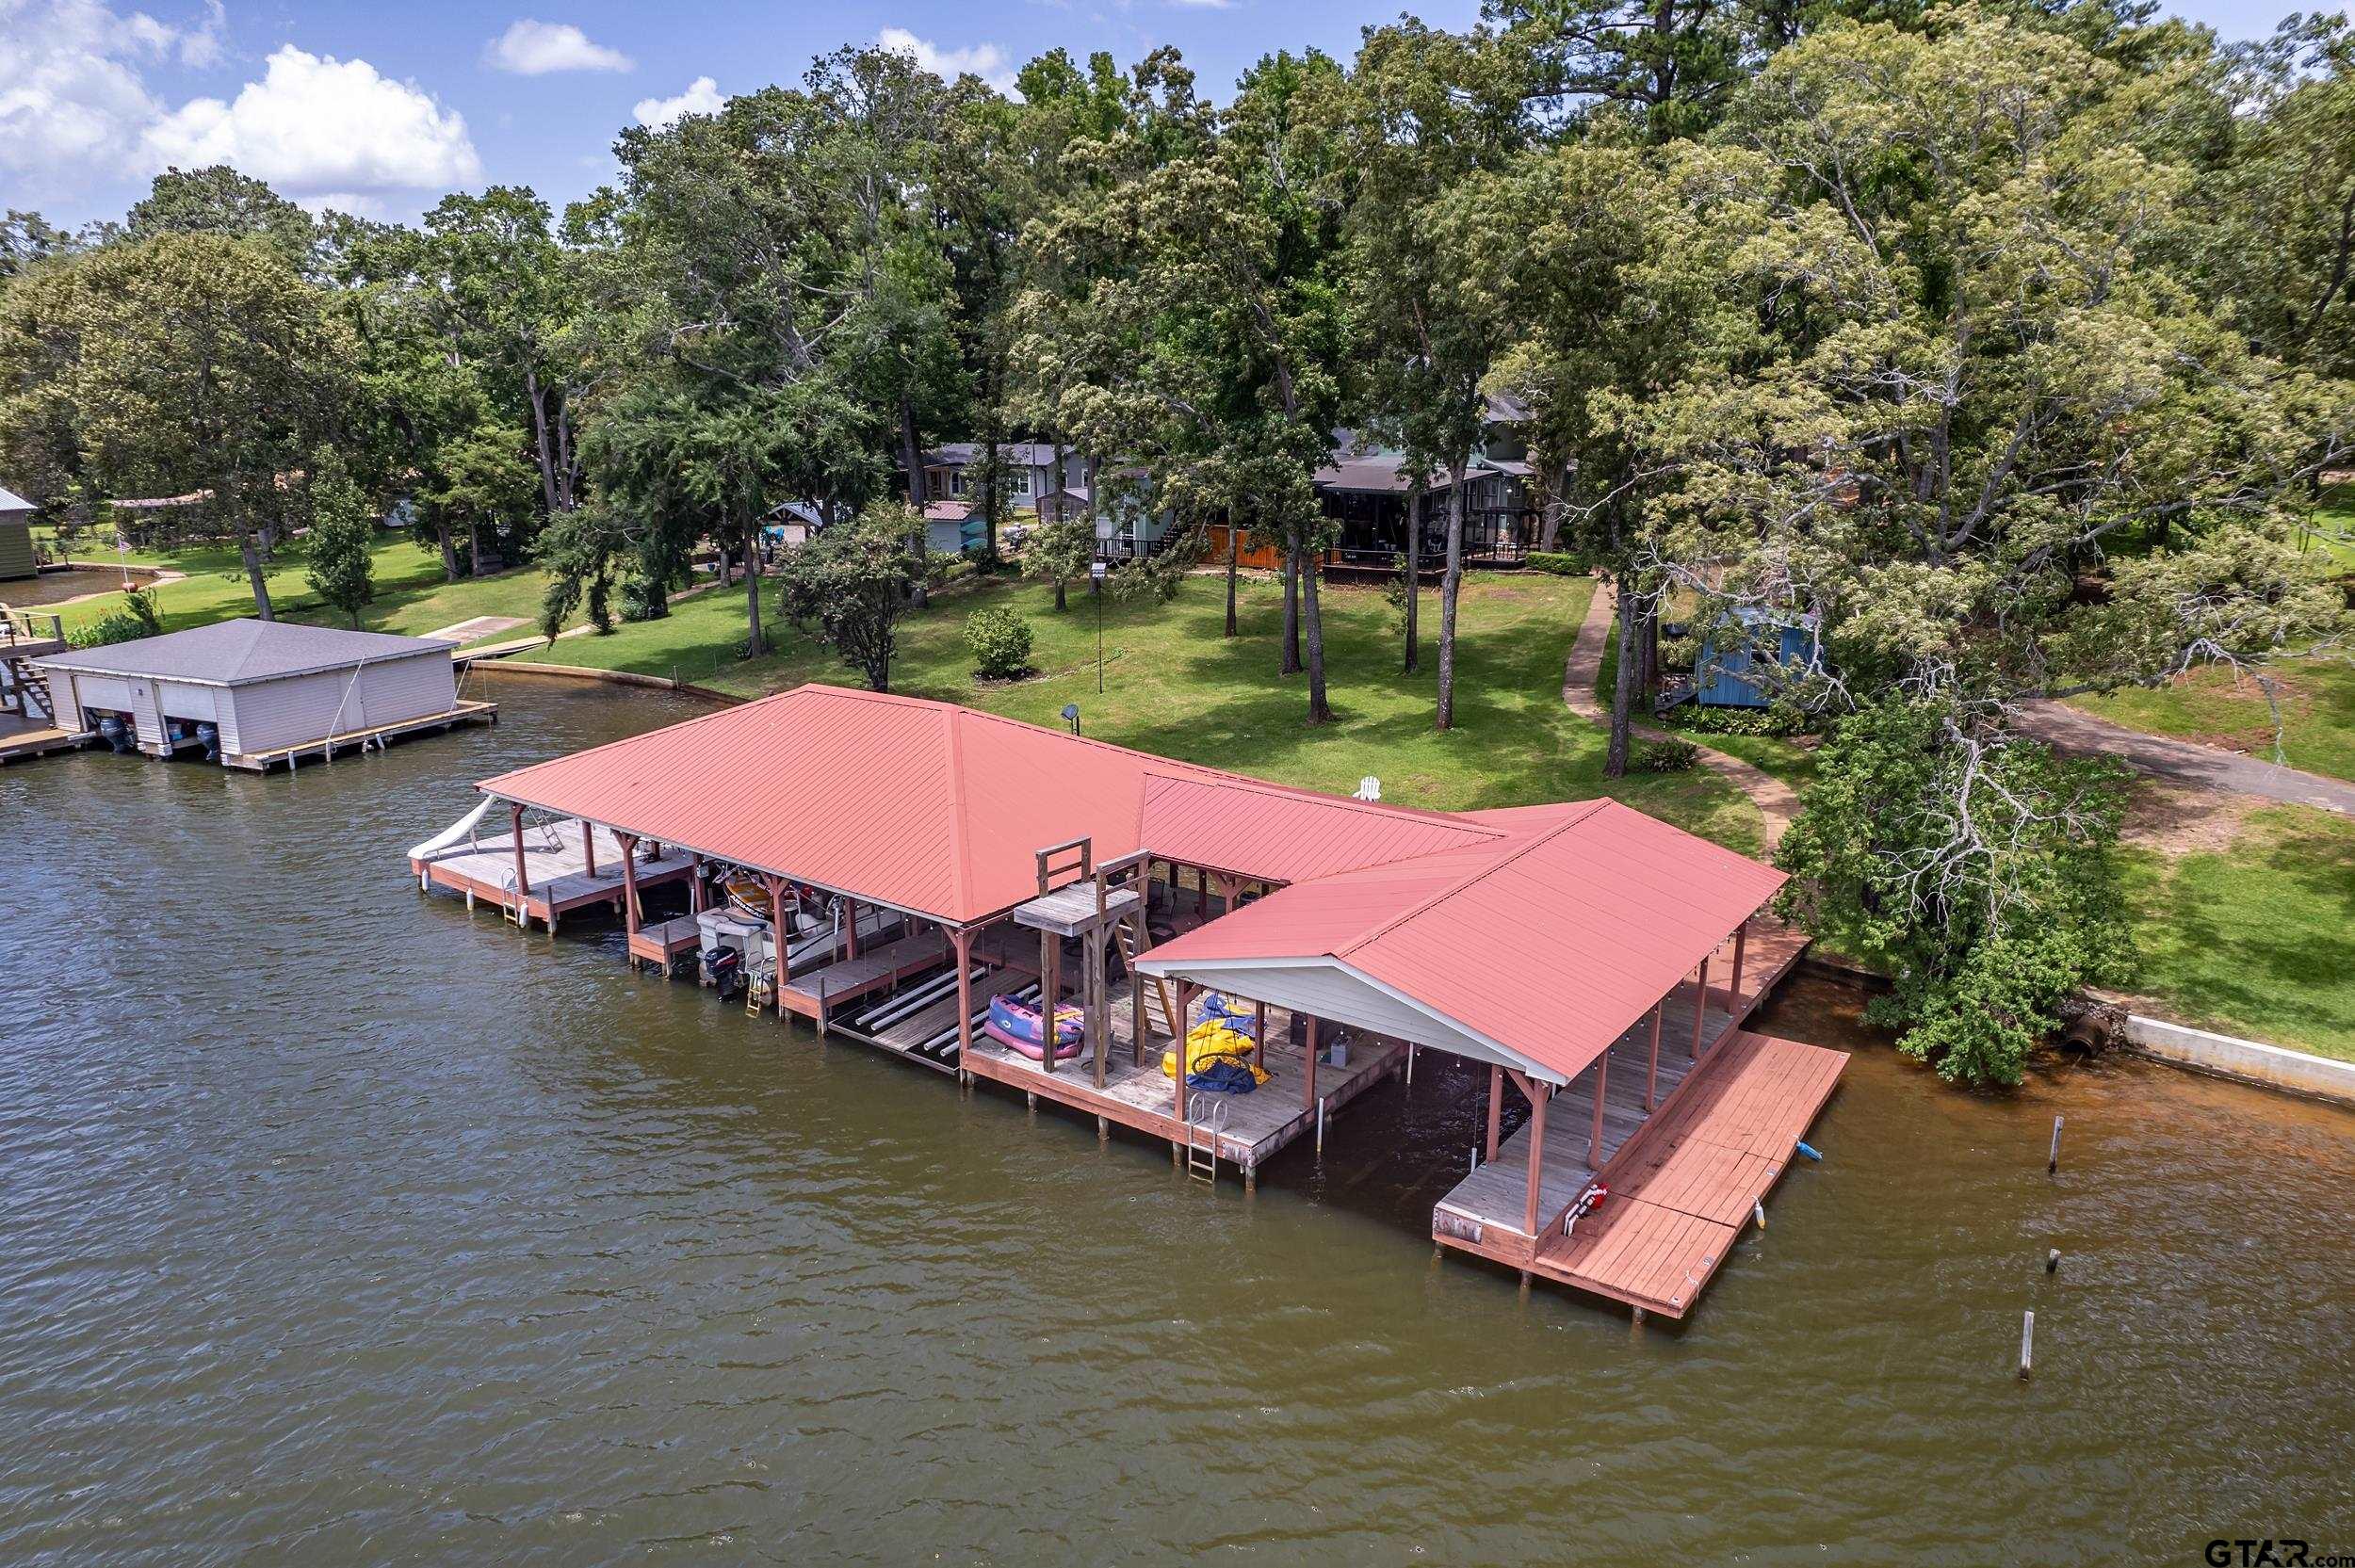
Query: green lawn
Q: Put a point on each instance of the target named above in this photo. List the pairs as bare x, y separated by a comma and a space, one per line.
1773, 755
410, 595
2257, 940
1173, 685
2215, 707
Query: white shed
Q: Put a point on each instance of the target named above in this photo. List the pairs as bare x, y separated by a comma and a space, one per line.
262, 691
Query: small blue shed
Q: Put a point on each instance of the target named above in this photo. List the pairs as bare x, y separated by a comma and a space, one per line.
1722, 677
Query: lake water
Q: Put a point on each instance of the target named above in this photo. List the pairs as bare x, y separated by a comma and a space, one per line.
339, 1226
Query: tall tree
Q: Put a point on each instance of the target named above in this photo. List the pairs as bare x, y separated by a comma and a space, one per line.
851, 583
186, 363
1967, 385
1194, 320
341, 539
1425, 111
220, 200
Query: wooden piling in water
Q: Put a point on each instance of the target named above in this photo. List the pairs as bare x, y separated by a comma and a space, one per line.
2052, 1163
2027, 1343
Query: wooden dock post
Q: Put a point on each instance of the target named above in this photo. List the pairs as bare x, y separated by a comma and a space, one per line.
782, 970
1309, 1078
961, 941
1741, 940
1651, 1077
1537, 1160
1321, 1107
2051, 1261
1496, 1107
1700, 1009
1049, 994
630, 884
522, 880
1602, 1080
2052, 1163
2027, 1344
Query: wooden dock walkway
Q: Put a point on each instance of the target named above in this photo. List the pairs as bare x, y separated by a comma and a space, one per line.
1255, 1126
326, 747
22, 739
816, 993
1645, 1129
1686, 1186
557, 874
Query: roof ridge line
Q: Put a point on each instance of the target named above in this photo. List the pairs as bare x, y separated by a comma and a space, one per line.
631, 739
1467, 879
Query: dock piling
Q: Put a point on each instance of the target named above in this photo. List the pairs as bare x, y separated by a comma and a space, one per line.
2052, 1162
1320, 1105
2027, 1344
2051, 1261
1758, 1211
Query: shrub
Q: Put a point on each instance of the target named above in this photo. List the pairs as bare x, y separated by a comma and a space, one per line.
643, 599
999, 641
128, 622
1560, 563
1781, 718
1666, 755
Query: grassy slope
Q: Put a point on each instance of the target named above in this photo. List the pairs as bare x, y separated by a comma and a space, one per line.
411, 596
1174, 686
2318, 716
2259, 939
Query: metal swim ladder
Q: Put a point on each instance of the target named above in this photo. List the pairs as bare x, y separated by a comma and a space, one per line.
1202, 1164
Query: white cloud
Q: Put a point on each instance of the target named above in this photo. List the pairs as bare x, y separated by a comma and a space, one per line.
534, 48
73, 101
985, 60
316, 126
701, 96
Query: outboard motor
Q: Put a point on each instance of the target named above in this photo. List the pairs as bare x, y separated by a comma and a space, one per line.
115, 732
210, 736
725, 967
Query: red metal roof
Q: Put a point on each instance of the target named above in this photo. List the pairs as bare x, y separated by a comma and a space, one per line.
1546, 929
1287, 836
939, 809
1552, 942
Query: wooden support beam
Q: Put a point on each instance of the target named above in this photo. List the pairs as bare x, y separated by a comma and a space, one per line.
695, 887
1185, 1006
523, 881
589, 846
1309, 1078
849, 928
1095, 1021
630, 881
1259, 1034
1050, 993
1700, 1009
1496, 1108
1741, 940
1536, 1156
778, 935
1594, 1143
962, 939
1651, 1077
1137, 982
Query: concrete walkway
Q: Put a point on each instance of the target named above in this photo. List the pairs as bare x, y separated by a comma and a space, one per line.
1775, 800
2184, 761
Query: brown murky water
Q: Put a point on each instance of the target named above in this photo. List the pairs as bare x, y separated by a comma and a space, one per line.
336, 1227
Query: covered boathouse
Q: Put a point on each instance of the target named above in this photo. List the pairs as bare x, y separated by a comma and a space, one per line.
253, 693
918, 875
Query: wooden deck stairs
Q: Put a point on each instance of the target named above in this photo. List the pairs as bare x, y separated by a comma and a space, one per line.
1160, 1007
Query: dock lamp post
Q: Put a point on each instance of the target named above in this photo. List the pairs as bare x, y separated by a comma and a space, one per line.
1071, 716
1106, 525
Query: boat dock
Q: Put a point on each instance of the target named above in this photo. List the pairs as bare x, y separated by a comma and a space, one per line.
890, 872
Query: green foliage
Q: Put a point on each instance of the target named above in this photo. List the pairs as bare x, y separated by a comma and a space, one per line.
1982, 876
851, 584
1666, 755
1560, 563
127, 622
999, 641
1059, 553
342, 536
1778, 719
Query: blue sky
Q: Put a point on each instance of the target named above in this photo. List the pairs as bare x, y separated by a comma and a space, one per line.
380, 107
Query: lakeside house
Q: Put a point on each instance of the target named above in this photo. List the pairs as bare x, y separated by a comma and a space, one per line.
1205, 959
255, 693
